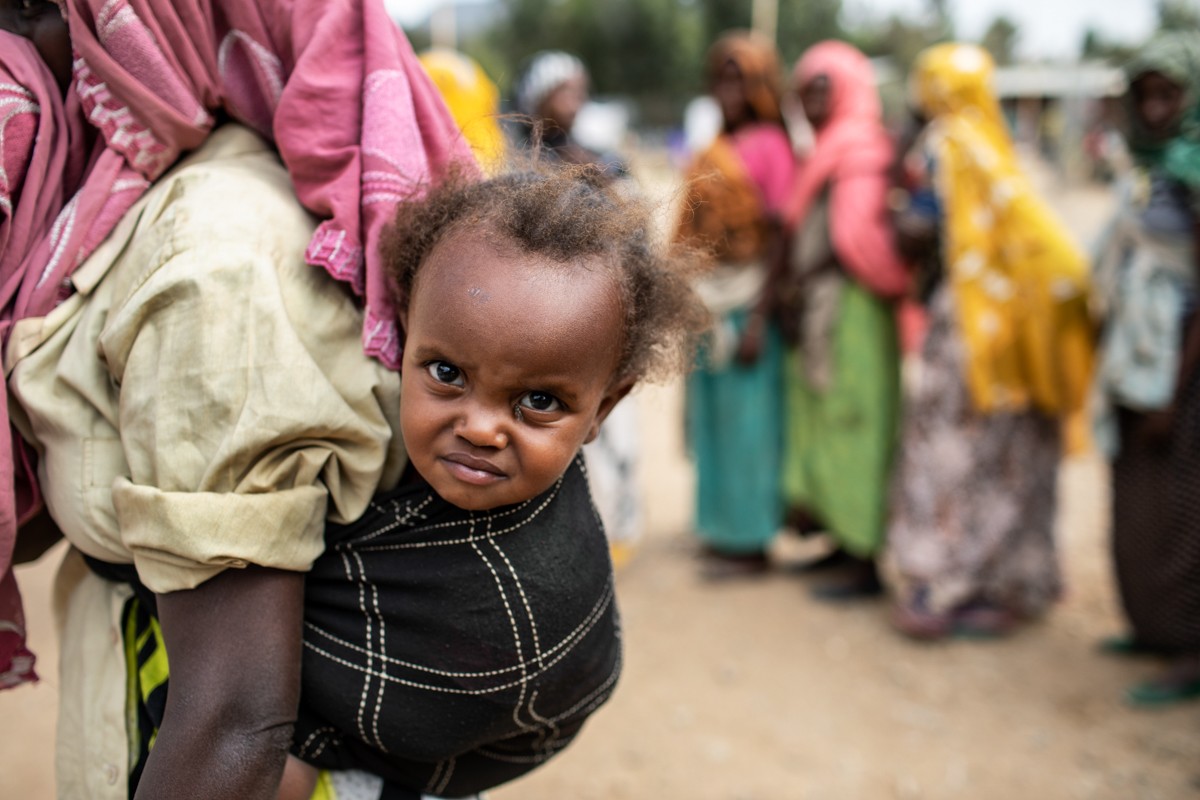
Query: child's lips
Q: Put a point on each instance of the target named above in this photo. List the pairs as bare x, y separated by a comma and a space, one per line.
472, 470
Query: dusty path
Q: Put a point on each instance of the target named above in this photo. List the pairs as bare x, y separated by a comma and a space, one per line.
752, 691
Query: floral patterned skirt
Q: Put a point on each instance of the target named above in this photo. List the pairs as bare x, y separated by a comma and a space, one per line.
973, 495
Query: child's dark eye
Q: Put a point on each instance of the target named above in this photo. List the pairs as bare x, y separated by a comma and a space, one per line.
445, 372
540, 401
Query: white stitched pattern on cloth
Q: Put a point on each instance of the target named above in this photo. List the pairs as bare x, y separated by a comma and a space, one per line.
570, 639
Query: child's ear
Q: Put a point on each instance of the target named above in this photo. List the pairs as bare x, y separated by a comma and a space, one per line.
611, 398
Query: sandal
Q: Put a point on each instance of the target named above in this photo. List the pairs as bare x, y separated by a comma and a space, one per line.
1180, 682
916, 622
719, 566
833, 560
859, 581
1125, 645
983, 621
1160, 693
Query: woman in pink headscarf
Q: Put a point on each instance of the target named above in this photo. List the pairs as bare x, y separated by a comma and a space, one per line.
201, 349
837, 292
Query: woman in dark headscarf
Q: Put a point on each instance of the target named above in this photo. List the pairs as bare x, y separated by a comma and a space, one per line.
553, 88
736, 188
1149, 386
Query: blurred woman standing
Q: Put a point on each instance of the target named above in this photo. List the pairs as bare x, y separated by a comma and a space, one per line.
1006, 358
551, 90
735, 189
1149, 387
836, 294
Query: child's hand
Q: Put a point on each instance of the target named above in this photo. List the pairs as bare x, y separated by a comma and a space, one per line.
750, 344
299, 780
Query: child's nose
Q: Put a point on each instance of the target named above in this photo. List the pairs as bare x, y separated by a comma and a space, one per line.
484, 426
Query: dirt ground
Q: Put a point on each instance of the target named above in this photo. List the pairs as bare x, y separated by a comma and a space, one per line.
753, 691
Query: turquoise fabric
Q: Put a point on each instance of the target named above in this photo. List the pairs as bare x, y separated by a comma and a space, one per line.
735, 431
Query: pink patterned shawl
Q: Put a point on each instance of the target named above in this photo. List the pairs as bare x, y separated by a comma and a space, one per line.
854, 150
333, 83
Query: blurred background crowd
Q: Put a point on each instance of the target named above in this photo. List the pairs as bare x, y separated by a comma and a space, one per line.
1057, 76
906, 338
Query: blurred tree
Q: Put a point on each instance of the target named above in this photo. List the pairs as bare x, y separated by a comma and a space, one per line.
643, 49
649, 50
1000, 39
1172, 15
1096, 47
1178, 14
940, 21
803, 23
901, 38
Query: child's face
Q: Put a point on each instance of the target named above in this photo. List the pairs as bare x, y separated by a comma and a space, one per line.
508, 368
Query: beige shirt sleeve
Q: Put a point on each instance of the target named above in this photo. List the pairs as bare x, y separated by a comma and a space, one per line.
243, 412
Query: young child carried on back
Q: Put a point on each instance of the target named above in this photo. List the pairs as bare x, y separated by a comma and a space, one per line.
461, 631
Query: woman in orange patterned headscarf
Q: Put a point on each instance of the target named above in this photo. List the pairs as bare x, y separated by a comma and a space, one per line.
735, 189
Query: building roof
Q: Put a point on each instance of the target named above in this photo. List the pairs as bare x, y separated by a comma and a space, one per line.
1058, 80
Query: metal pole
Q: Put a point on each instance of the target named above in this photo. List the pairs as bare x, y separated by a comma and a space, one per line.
443, 27
764, 18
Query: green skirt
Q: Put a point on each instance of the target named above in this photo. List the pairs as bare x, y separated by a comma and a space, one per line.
839, 442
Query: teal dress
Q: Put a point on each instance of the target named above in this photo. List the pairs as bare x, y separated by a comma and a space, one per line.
735, 429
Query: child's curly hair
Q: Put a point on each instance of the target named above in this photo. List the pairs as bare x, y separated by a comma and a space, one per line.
566, 214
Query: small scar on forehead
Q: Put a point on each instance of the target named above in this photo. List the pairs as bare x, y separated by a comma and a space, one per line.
478, 294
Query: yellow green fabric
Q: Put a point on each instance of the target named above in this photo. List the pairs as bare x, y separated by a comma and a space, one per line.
1019, 283
324, 789
147, 671
838, 443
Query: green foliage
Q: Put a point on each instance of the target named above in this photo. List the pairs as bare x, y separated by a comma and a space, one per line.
1096, 47
1173, 15
1176, 15
651, 51
1000, 39
803, 23
902, 39
645, 49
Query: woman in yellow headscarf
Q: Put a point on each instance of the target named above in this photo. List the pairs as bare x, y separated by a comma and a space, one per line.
1007, 357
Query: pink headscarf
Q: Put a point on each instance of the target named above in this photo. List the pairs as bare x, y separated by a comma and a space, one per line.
853, 149
333, 83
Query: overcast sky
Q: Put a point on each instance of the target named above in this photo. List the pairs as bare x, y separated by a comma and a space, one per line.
1048, 28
